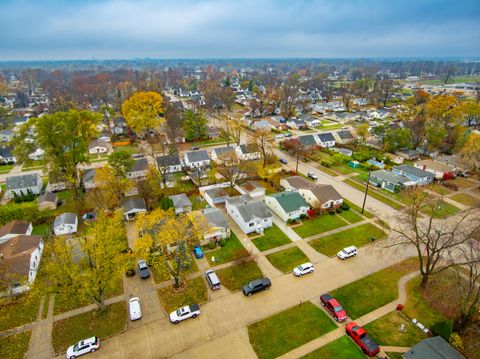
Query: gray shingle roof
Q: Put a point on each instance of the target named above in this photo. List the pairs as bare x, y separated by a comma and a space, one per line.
5, 152
250, 208
345, 135
134, 203
222, 150
89, 175
388, 177
433, 348
248, 148
140, 165
215, 217
22, 181
414, 171
197, 156
180, 200
168, 160
325, 137
48, 197
65, 218
307, 140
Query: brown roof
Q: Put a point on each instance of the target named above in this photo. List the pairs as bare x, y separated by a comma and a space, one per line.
16, 253
14, 227
324, 192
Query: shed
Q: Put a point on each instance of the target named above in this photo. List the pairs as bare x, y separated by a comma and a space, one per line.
354, 164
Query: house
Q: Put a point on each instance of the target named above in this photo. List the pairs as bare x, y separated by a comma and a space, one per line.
6, 156
319, 196
19, 121
66, 223
387, 180
343, 117
251, 214
170, 163
139, 169
433, 348
88, 178
343, 151
253, 189
132, 207
440, 170
454, 160
15, 228
212, 223
296, 124
343, 136
36, 155
47, 201
287, 205
325, 139
310, 121
394, 158
373, 162
119, 125
258, 125
56, 184
196, 159
21, 256
308, 141
215, 195
221, 153
354, 164
97, 146
247, 152
6, 135
408, 154
23, 184
181, 203
415, 175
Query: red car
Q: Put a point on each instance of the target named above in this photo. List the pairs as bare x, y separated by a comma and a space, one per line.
334, 307
360, 336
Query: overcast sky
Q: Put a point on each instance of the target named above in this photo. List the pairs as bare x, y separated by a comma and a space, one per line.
71, 29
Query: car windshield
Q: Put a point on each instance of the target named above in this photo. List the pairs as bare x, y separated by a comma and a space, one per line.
344, 251
300, 268
75, 347
338, 308
179, 312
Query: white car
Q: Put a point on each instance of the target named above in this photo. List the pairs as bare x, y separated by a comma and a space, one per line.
347, 252
189, 311
312, 175
134, 308
280, 135
304, 268
83, 347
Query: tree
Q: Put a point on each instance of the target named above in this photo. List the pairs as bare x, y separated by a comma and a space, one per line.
161, 230
448, 74
143, 111
435, 241
98, 267
470, 153
263, 141
347, 95
121, 162
397, 138
362, 132
230, 167
295, 147
111, 187
384, 89
269, 171
6, 118
195, 125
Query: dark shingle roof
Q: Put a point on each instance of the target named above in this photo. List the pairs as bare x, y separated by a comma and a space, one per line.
345, 135
168, 160
414, 171
197, 156
250, 208
326, 137
140, 165
307, 140
5, 152
433, 348
134, 203
14, 227
65, 218
22, 181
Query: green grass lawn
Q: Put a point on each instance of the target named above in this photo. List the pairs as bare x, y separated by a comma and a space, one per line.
272, 237
351, 216
42, 229
446, 210
15, 346
287, 259
394, 355
374, 194
319, 224
442, 190
358, 209
342, 348
193, 291
288, 330
232, 250
18, 311
235, 277
6, 168
373, 291
128, 148
356, 236
329, 171
466, 199
69, 331
160, 272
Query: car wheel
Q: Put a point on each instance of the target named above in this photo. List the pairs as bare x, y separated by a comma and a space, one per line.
347, 332
335, 317
364, 351
323, 304
176, 322
93, 349
249, 294
72, 357
194, 316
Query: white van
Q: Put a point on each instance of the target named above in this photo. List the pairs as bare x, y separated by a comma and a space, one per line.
212, 279
134, 308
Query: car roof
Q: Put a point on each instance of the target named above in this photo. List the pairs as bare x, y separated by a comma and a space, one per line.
89, 340
350, 248
134, 299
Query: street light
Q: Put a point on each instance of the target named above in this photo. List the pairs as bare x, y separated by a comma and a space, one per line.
366, 191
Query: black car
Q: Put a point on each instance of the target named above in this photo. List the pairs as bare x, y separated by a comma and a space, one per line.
283, 160
256, 286
143, 270
194, 148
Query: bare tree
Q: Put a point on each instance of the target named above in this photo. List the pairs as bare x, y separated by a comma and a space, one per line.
289, 97
264, 143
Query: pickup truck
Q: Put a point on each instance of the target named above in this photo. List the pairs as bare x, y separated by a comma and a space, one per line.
334, 307
256, 286
189, 311
363, 340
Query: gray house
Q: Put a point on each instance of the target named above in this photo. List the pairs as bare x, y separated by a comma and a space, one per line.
181, 203
433, 348
196, 159
23, 184
387, 180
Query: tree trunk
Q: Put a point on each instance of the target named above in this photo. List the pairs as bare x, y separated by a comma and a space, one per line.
100, 302
423, 283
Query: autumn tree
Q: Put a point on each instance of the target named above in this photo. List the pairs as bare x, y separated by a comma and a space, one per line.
143, 111
263, 141
295, 147
195, 125
121, 162
470, 153
230, 167
397, 138
289, 96
384, 89
6, 118
362, 132
111, 188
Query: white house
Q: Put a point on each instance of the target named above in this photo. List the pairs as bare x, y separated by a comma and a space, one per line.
139, 169
251, 214
215, 195
196, 159
170, 163
247, 152
37, 155
325, 139
6, 135
253, 189
23, 184
133, 207
66, 223
287, 205
218, 155
439, 169
6, 155
15, 228
97, 146
296, 123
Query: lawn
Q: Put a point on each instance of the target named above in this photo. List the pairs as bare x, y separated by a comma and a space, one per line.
19, 311
6, 168
235, 277
287, 259
232, 250
272, 237
371, 292
342, 348
193, 291
358, 209
15, 346
319, 224
69, 331
288, 330
446, 210
128, 148
394, 355
160, 272
442, 190
466, 199
351, 216
42, 229
374, 194
356, 236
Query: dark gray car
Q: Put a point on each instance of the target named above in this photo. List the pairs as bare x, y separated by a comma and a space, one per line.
143, 269
256, 286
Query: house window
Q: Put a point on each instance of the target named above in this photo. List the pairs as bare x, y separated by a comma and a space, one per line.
251, 224
265, 220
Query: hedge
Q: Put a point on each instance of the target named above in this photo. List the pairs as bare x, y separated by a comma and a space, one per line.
20, 211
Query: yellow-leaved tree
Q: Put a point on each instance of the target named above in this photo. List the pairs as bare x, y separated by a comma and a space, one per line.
470, 153
143, 111
110, 188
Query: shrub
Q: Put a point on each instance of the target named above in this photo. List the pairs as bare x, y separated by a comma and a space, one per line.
303, 216
331, 211
130, 272
21, 211
338, 210
211, 245
222, 242
345, 206
289, 221
456, 341
443, 328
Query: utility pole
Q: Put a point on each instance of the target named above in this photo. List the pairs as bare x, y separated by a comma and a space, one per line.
366, 191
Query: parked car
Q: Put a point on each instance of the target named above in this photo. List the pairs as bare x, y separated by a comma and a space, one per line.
363, 340
256, 285
137, 156
143, 270
194, 148
347, 252
197, 250
304, 268
283, 160
189, 311
134, 308
312, 175
280, 135
212, 279
83, 347
334, 307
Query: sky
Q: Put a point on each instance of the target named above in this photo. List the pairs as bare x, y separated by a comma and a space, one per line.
111, 29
